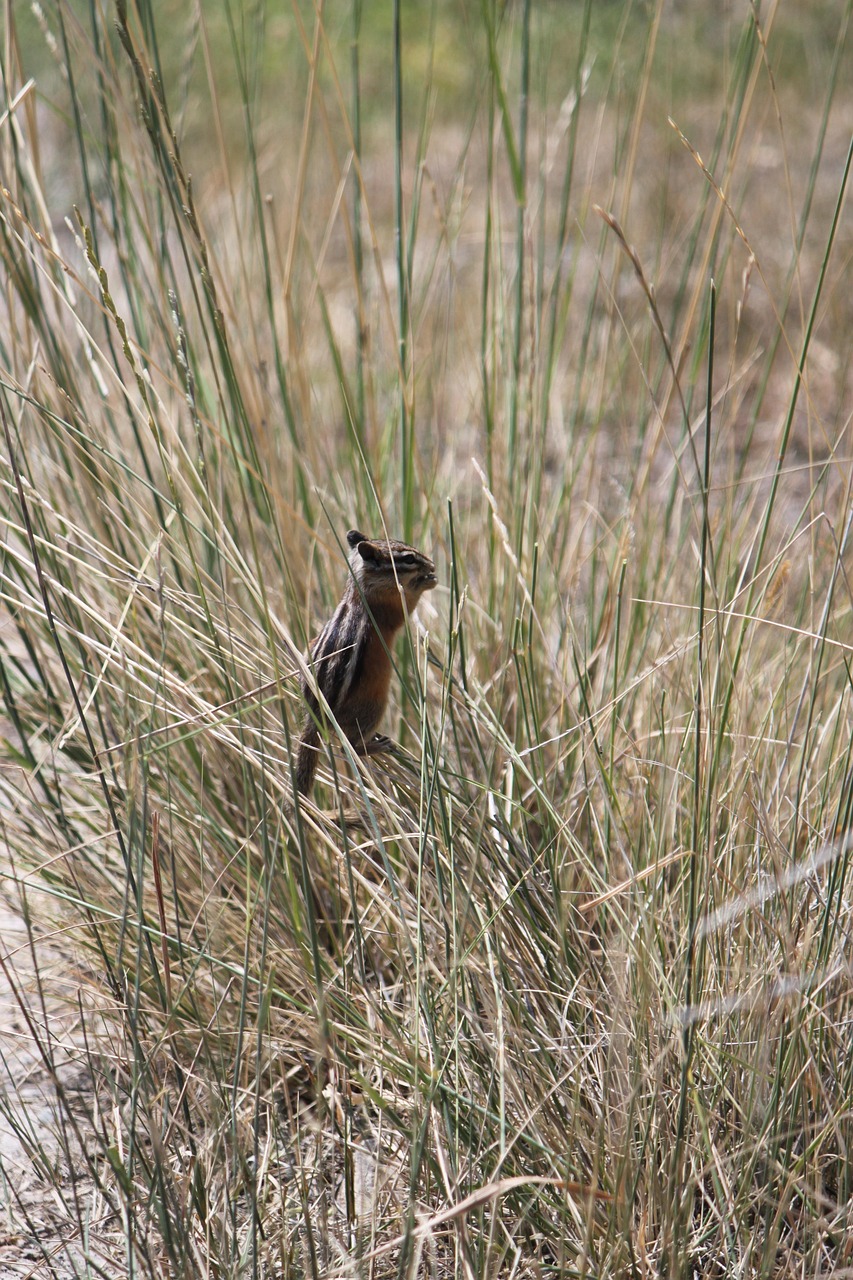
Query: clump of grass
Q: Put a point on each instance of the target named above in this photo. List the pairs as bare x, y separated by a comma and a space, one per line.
560, 987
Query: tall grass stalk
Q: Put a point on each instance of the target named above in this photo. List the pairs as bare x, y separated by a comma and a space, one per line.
559, 986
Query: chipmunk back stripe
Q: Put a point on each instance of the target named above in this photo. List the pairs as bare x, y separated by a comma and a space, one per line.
333, 653
342, 645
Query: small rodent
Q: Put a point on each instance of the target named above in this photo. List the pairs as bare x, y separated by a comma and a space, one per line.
350, 658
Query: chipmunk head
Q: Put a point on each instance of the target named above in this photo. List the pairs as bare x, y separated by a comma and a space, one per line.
380, 562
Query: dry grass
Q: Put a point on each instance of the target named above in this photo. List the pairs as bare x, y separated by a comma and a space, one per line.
562, 988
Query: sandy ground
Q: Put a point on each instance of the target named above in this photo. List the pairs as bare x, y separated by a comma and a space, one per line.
51, 1215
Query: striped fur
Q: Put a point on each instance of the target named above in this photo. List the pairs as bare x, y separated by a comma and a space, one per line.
349, 659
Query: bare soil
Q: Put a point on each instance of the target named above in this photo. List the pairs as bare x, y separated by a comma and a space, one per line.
53, 1220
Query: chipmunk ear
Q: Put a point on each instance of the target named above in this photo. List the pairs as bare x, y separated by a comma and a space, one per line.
369, 551
354, 538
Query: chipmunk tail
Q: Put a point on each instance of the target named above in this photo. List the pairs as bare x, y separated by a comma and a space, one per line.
307, 757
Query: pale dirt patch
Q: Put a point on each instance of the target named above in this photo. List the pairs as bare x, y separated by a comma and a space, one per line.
54, 1222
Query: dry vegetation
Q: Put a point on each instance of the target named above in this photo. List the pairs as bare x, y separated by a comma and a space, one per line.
562, 988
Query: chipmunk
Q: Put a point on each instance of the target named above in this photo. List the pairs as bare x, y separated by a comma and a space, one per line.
350, 657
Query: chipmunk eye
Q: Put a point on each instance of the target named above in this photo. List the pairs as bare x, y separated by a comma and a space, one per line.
407, 559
